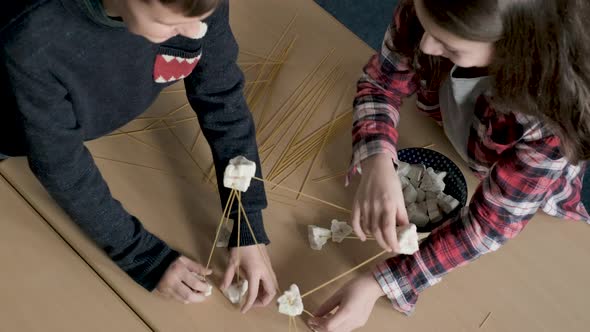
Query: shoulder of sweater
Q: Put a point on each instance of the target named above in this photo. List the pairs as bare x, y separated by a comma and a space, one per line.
29, 29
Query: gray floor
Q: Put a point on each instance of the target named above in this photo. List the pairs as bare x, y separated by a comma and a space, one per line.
368, 19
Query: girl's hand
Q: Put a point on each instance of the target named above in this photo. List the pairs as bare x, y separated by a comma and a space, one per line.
184, 281
379, 202
261, 281
354, 301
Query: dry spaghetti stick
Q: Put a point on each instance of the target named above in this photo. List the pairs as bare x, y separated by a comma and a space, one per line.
258, 56
239, 231
195, 141
321, 95
185, 120
338, 121
121, 133
137, 165
260, 63
298, 90
308, 313
172, 91
186, 150
153, 147
273, 76
315, 157
171, 113
330, 177
306, 195
345, 273
225, 211
273, 50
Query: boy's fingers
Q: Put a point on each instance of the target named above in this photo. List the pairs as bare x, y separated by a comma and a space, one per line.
269, 292
194, 281
195, 267
186, 295
228, 276
253, 284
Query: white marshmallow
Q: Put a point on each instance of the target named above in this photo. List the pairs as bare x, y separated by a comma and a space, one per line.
209, 291
239, 173
404, 181
236, 291
340, 230
317, 236
417, 214
407, 238
420, 195
432, 181
447, 203
403, 168
415, 175
410, 194
291, 303
433, 212
225, 234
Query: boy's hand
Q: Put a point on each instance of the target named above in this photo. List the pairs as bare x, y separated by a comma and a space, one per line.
184, 280
379, 202
261, 281
354, 301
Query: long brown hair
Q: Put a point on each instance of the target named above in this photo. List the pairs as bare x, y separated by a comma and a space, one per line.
541, 63
192, 8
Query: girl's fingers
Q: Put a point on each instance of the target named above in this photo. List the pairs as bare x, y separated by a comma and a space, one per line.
388, 230
356, 220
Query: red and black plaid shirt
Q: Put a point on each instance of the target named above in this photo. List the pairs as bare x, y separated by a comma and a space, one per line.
516, 157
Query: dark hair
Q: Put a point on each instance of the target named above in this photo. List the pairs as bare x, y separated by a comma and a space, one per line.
192, 8
541, 63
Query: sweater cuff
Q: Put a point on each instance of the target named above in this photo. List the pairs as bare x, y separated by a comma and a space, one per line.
248, 238
152, 274
396, 286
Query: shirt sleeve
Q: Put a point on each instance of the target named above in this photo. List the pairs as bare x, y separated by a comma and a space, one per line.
500, 208
60, 161
215, 91
387, 78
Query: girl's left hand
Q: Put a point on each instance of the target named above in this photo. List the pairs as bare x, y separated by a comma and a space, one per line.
354, 301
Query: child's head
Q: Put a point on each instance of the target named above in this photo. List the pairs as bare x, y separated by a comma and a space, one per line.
160, 20
538, 51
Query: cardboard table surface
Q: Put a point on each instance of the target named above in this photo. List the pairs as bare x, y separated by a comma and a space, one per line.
45, 285
535, 283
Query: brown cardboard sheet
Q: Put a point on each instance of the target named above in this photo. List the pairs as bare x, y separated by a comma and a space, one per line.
45, 285
535, 283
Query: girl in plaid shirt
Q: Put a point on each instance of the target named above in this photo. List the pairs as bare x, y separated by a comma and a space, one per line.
509, 81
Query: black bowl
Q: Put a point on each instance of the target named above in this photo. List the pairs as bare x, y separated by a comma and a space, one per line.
455, 184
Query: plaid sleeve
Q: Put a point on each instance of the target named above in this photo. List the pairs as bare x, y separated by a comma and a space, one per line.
386, 80
500, 208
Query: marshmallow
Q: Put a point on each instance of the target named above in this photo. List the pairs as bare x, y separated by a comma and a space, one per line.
317, 236
417, 213
404, 181
420, 195
290, 303
432, 181
403, 168
410, 194
225, 234
447, 203
236, 291
209, 290
340, 230
415, 174
407, 238
239, 173
432, 209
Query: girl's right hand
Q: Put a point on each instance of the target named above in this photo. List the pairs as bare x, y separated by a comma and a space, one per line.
378, 205
184, 281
